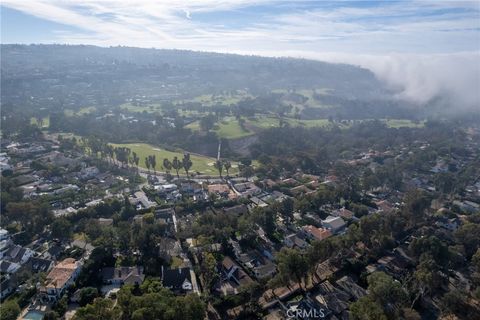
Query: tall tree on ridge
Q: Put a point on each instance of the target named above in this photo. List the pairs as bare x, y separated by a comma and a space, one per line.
219, 166
227, 164
177, 165
187, 163
147, 164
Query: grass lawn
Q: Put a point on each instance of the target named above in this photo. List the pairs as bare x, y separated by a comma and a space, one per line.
82, 111
195, 126
226, 99
403, 123
45, 124
307, 93
229, 128
310, 123
201, 164
151, 108
263, 122
272, 122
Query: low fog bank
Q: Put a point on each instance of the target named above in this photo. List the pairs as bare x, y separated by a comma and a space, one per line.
445, 81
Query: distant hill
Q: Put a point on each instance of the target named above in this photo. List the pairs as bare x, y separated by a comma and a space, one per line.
74, 65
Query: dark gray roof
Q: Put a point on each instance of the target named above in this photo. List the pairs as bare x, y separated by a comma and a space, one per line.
174, 278
39, 264
123, 274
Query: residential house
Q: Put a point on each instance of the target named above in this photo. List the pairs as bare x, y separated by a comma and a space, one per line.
449, 224
296, 240
349, 286
299, 190
384, 206
123, 275
8, 267
344, 213
4, 235
334, 224
332, 297
247, 189
140, 200
164, 215
467, 206
258, 202
259, 265
236, 210
7, 286
191, 188
105, 222
178, 280
36, 265
222, 190
315, 233
233, 275
18, 254
88, 173
62, 276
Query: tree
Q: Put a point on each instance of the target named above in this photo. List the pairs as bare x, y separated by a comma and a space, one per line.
292, 266
227, 164
87, 295
219, 166
415, 204
367, 308
385, 290
454, 302
187, 163
135, 159
100, 309
207, 122
476, 260
177, 165
431, 246
50, 315
208, 268
147, 164
427, 277
167, 165
191, 307
469, 235
286, 207
153, 163
9, 310
61, 228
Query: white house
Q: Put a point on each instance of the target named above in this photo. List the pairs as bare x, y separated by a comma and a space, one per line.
61, 277
334, 224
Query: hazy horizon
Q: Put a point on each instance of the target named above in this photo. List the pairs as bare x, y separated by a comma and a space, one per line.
421, 49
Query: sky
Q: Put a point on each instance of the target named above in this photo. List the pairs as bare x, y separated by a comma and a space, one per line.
416, 46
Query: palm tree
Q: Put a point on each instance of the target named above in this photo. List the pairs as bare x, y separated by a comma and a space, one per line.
177, 165
153, 163
147, 164
135, 159
167, 164
219, 165
227, 164
187, 163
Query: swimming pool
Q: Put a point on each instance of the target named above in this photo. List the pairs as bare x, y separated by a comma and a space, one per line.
33, 315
